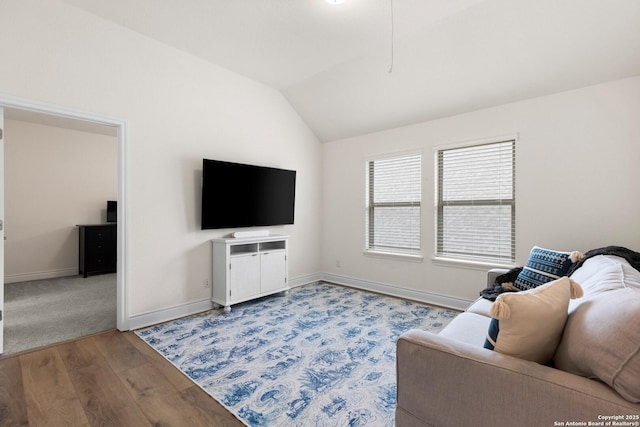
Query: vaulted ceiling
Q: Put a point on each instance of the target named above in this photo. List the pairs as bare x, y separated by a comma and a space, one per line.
368, 65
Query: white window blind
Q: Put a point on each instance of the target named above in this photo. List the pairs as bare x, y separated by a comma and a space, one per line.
476, 202
393, 204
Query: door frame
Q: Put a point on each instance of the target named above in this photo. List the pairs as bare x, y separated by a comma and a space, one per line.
2, 218
122, 272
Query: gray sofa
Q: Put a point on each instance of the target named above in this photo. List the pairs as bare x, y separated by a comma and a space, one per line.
449, 379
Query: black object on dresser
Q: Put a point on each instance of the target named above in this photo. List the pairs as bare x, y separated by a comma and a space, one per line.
98, 250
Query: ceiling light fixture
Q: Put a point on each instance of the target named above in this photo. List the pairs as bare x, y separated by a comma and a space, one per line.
334, 1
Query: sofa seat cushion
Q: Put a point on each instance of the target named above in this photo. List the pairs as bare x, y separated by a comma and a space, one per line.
601, 340
470, 328
480, 306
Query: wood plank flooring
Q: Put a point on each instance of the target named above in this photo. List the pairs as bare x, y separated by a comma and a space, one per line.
108, 379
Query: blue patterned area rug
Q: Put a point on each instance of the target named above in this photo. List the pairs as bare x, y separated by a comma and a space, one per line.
323, 355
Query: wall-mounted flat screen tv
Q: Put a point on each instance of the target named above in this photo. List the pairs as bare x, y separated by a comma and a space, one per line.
240, 195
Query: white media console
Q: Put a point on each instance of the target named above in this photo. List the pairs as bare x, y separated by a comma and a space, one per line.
248, 268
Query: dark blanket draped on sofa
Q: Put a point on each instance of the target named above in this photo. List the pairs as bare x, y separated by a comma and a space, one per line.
632, 257
492, 292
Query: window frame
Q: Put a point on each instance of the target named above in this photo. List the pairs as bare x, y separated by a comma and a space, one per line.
403, 253
462, 258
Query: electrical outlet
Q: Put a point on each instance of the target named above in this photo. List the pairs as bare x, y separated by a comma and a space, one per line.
206, 283
338, 264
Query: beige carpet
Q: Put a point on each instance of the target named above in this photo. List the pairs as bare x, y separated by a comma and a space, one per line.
42, 312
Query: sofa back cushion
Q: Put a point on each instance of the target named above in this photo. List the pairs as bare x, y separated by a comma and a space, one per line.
604, 273
601, 340
591, 278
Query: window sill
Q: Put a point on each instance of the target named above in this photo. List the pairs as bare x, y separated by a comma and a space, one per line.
418, 257
472, 265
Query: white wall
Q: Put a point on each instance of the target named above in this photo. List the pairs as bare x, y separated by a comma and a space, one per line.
576, 159
179, 109
577, 171
55, 178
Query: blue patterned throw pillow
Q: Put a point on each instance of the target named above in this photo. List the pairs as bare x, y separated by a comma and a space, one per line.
492, 334
544, 266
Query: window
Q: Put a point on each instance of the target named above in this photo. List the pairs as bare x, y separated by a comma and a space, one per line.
393, 204
476, 202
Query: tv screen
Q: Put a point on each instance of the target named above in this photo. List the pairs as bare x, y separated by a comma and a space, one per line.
239, 195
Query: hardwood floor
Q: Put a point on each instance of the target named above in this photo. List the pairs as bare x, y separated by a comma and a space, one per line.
108, 379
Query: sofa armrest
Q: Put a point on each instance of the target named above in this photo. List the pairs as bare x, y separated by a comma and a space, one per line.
493, 273
443, 382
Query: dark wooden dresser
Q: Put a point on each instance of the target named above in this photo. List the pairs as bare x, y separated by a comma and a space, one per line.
98, 250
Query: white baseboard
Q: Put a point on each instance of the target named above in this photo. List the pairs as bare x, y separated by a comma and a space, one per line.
305, 280
421, 296
164, 315
40, 275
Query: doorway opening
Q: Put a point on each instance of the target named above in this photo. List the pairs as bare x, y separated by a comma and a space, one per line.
20, 110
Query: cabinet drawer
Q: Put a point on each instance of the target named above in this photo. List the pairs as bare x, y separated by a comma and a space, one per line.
99, 248
99, 234
99, 263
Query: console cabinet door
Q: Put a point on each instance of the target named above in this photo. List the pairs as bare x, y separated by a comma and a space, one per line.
244, 277
274, 270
